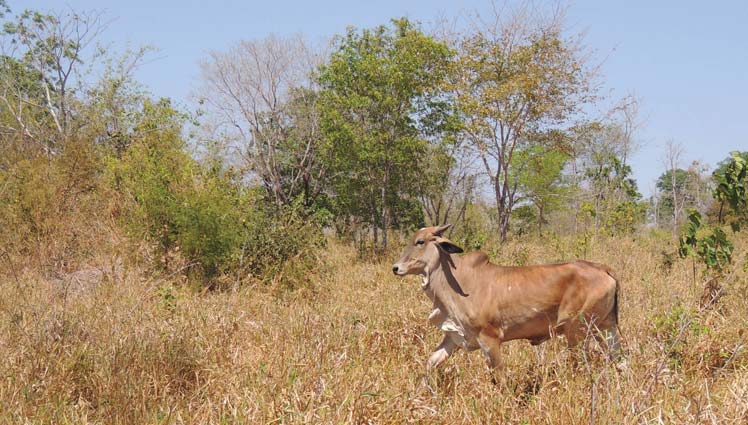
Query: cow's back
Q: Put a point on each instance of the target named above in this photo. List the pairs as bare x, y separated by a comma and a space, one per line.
538, 297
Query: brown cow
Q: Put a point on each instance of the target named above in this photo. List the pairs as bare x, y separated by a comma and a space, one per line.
480, 305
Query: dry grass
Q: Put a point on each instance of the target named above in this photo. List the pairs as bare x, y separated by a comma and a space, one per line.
349, 347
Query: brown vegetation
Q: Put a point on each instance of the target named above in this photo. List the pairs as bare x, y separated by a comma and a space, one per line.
126, 345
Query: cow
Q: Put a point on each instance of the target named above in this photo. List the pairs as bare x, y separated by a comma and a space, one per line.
478, 304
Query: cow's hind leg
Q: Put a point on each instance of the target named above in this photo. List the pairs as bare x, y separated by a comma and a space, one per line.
575, 332
612, 342
442, 352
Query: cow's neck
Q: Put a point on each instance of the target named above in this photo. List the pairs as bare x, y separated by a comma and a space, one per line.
442, 287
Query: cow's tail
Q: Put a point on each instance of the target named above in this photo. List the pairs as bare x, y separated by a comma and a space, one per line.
614, 312
615, 301
616, 338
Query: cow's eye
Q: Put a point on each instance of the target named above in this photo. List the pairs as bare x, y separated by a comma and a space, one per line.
419, 242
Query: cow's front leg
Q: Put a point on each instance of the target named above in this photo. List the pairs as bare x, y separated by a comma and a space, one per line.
436, 317
442, 352
490, 343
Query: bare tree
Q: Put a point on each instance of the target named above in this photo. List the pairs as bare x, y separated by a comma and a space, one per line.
450, 185
626, 114
673, 153
262, 96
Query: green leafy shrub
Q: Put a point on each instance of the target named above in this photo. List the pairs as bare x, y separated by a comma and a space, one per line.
475, 229
714, 249
676, 328
626, 216
204, 212
732, 183
279, 247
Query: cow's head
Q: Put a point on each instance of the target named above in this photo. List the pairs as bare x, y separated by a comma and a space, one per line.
424, 251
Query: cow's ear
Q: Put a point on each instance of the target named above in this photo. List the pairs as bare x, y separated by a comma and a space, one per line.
448, 246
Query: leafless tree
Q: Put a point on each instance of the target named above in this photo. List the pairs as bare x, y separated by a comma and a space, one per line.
627, 116
673, 153
262, 97
446, 193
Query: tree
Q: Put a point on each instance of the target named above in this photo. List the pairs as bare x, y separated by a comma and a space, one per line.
672, 158
731, 178
448, 183
516, 78
541, 181
114, 105
48, 51
682, 189
606, 192
262, 98
380, 96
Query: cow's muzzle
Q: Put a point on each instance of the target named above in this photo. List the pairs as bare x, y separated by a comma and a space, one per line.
399, 270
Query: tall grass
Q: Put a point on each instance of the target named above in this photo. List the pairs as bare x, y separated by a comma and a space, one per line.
123, 344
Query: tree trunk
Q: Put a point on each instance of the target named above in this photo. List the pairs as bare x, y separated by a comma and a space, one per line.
501, 212
540, 221
675, 198
385, 210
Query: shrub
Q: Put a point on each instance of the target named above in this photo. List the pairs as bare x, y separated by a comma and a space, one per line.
279, 246
48, 202
205, 212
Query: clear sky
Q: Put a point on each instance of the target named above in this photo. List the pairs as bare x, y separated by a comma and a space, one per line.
686, 60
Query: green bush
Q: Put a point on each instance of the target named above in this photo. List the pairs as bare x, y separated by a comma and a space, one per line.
279, 246
475, 229
626, 217
204, 213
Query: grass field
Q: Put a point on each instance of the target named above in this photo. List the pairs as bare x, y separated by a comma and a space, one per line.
128, 345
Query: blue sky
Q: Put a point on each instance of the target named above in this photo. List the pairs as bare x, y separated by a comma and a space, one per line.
686, 60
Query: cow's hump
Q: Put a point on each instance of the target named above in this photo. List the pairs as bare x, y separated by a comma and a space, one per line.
475, 258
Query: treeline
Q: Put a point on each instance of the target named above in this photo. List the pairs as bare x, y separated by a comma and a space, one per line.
386, 129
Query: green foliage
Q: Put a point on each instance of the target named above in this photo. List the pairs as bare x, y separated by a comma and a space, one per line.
714, 249
379, 100
514, 84
613, 202
540, 180
201, 210
153, 172
685, 186
279, 246
611, 180
731, 177
675, 327
582, 245
166, 293
689, 241
46, 202
475, 229
625, 217
44, 46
